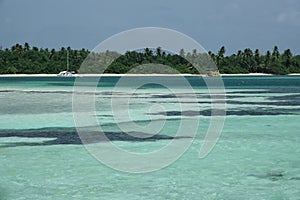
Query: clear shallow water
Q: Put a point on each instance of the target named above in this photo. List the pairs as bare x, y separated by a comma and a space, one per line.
257, 156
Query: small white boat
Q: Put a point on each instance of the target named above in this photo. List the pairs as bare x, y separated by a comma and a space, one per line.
67, 73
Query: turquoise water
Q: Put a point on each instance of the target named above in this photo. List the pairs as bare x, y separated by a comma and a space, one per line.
257, 156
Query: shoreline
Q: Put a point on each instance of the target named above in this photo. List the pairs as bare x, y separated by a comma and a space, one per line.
113, 75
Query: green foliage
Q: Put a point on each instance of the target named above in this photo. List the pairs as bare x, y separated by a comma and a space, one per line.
32, 60
23, 59
150, 62
248, 62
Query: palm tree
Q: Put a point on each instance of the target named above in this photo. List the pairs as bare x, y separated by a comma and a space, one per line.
158, 51
248, 60
26, 46
221, 52
276, 53
287, 56
257, 56
268, 59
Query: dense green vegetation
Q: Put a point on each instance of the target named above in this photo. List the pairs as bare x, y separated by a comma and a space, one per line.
21, 59
24, 59
248, 61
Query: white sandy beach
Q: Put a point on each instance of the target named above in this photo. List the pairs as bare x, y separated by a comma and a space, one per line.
93, 75
110, 75
250, 74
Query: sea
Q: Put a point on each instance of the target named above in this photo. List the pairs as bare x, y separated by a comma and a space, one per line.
44, 154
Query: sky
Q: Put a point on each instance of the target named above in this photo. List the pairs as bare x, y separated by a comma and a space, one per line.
235, 24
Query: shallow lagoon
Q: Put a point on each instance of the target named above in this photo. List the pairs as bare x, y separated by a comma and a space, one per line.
257, 156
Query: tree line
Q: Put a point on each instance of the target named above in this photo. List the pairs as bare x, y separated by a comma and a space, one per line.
247, 61
21, 59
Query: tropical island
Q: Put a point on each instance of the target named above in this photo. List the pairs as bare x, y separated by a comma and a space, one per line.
24, 59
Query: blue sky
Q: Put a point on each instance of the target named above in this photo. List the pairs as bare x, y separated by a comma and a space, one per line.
236, 24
